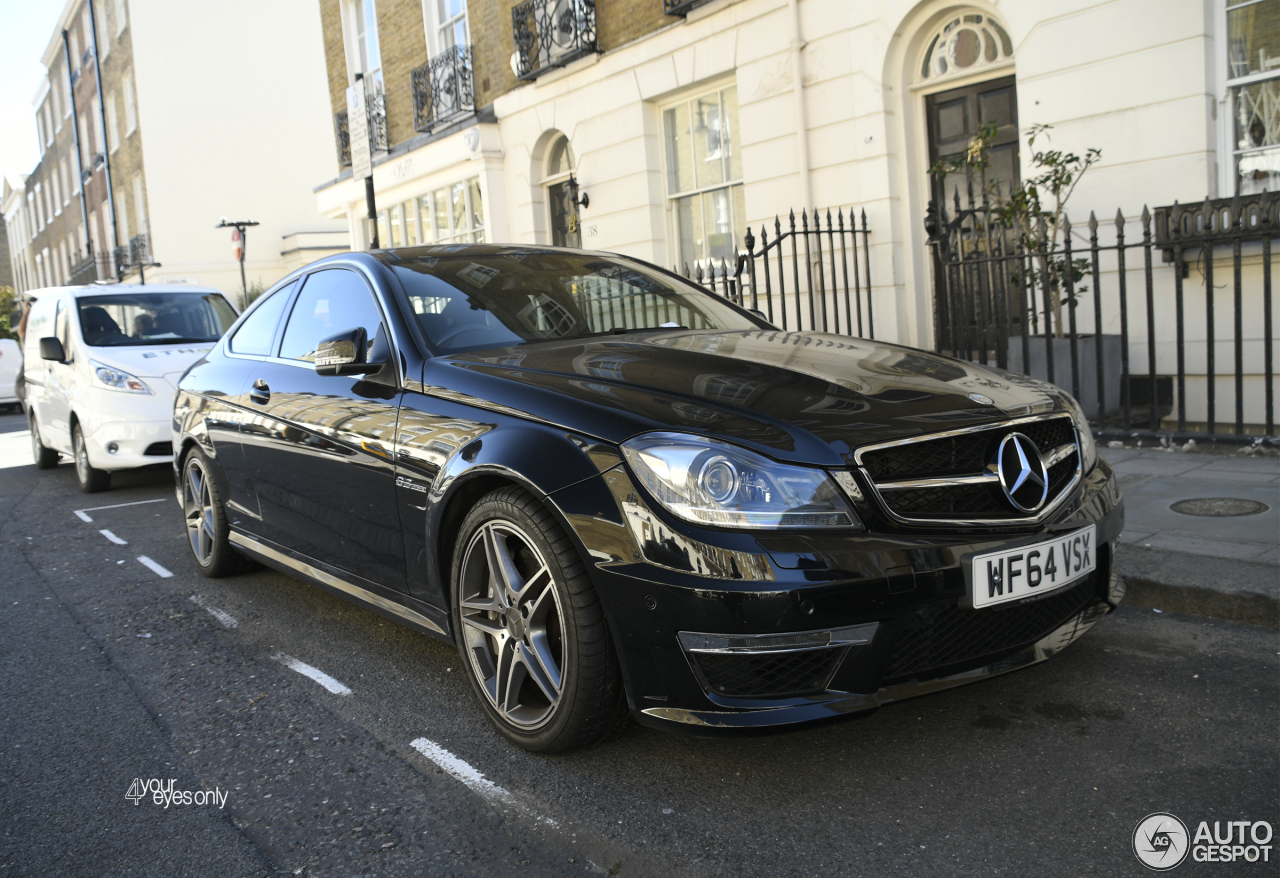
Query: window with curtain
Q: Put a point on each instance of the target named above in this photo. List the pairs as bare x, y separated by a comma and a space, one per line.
704, 177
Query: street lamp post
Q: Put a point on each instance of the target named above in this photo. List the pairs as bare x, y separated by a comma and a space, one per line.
240, 239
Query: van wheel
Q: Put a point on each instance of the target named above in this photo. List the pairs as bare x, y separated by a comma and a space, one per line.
91, 480
45, 457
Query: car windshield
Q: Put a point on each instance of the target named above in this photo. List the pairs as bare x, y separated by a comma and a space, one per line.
123, 319
467, 301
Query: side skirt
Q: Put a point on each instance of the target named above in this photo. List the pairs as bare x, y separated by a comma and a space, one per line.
383, 601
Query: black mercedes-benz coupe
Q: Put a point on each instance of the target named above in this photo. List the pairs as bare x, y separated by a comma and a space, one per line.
614, 491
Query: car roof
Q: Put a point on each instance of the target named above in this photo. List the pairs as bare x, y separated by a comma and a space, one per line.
394, 255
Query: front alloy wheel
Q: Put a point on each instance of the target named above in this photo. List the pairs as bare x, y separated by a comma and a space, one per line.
513, 624
530, 627
92, 480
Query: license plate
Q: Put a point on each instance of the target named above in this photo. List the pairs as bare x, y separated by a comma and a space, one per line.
1033, 570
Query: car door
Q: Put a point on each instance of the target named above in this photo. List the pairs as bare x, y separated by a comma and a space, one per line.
322, 466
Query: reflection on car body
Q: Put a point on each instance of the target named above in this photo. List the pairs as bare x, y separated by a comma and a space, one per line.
614, 491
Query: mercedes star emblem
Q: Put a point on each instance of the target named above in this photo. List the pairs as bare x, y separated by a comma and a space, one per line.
1022, 473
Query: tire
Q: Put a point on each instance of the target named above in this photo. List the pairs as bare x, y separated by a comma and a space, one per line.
45, 457
538, 651
206, 519
91, 480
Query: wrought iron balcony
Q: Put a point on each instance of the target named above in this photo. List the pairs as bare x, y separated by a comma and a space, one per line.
136, 254
342, 134
443, 89
375, 101
552, 33
681, 7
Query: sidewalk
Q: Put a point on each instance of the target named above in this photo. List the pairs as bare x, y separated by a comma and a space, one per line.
1226, 566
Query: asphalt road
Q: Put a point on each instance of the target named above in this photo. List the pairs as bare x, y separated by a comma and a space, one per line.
111, 672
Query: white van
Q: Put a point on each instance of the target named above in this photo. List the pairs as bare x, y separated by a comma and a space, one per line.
102, 366
10, 369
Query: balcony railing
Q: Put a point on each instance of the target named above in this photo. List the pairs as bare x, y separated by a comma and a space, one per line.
681, 7
552, 33
443, 89
375, 101
85, 270
342, 135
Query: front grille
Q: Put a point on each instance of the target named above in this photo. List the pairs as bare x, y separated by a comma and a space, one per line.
955, 635
159, 449
768, 675
966, 454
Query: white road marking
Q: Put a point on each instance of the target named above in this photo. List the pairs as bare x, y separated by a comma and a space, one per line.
314, 673
154, 567
115, 539
83, 515
474, 780
221, 615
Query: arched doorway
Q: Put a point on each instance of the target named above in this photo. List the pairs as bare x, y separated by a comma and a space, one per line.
561, 191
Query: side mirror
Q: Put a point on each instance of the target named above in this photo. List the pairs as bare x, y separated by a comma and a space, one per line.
51, 349
344, 354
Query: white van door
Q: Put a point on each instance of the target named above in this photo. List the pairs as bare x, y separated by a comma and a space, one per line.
55, 420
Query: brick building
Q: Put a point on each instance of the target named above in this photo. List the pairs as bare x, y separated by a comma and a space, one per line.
147, 140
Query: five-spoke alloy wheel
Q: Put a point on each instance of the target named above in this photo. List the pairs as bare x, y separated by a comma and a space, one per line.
530, 627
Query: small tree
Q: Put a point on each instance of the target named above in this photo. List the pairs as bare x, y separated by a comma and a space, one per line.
1035, 209
8, 299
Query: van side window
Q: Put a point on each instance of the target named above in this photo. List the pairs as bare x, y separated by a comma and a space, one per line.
61, 330
255, 335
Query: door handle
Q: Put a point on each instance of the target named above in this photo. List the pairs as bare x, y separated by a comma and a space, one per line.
261, 392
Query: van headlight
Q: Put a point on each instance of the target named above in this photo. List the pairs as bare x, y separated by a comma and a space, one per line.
706, 481
114, 379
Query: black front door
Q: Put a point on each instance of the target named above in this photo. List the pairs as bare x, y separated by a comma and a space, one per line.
565, 228
322, 465
955, 117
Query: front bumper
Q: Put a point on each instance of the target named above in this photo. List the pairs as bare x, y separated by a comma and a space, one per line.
137, 443
892, 597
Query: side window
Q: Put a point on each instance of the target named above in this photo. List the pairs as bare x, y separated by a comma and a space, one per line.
60, 329
256, 333
331, 301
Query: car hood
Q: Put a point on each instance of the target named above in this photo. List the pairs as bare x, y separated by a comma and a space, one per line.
151, 361
804, 397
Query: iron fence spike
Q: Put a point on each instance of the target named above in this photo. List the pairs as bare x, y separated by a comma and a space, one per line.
1093, 223
1119, 220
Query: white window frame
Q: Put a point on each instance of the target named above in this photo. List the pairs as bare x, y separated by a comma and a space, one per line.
55, 190
429, 231
122, 18
65, 168
130, 104
670, 198
140, 205
355, 42
1227, 174
104, 31
439, 30
55, 98
113, 124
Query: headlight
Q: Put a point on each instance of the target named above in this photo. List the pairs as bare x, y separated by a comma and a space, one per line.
707, 481
114, 379
1088, 448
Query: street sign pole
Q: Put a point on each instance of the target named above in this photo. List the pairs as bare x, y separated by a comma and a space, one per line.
239, 237
361, 152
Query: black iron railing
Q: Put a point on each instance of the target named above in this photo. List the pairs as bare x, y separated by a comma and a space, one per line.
681, 7
998, 297
551, 33
85, 269
443, 89
375, 102
822, 285
342, 136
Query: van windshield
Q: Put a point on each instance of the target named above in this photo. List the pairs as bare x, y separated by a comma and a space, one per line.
124, 319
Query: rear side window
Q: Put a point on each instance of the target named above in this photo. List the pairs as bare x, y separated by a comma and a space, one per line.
331, 301
256, 333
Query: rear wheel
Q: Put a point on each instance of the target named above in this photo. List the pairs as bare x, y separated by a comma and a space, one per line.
206, 519
92, 480
530, 627
45, 457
